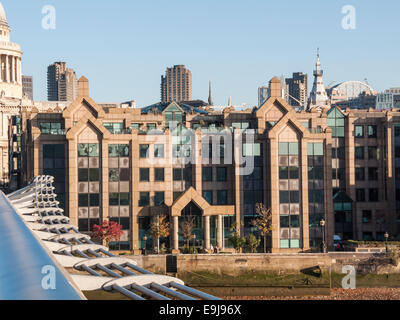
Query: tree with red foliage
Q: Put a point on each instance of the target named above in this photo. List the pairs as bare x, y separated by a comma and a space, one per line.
108, 231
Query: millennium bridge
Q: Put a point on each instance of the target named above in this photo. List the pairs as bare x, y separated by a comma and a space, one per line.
44, 257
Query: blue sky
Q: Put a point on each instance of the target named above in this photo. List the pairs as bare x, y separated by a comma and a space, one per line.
123, 46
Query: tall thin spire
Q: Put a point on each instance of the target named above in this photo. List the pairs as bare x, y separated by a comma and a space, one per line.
230, 101
318, 96
210, 101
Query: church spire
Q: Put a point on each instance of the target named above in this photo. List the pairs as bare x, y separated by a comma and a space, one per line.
210, 102
318, 96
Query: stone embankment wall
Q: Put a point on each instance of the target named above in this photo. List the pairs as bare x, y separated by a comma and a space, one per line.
235, 264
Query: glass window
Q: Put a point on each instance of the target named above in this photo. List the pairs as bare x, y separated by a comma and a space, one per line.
144, 199
83, 150
284, 219
283, 173
144, 150
284, 196
360, 195
158, 151
222, 173
124, 174
94, 174
372, 131
83, 175
293, 148
113, 199
113, 175
93, 150
83, 200
123, 150
294, 221
158, 198
360, 174
293, 172
373, 195
283, 148
144, 174
177, 174
359, 131
284, 243
222, 197
208, 196
94, 200
366, 216
373, 153
207, 173
124, 199
113, 150
359, 153
159, 174
373, 174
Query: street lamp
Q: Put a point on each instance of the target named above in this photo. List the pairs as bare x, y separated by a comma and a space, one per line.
322, 224
386, 235
194, 243
145, 244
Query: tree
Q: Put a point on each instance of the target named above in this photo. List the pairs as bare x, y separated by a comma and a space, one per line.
160, 228
187, 227
263, 222
252, 243
107, 231
235, 239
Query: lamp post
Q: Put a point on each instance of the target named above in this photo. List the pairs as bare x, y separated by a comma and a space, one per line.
386, 235
322, 224
145, 243
194, 243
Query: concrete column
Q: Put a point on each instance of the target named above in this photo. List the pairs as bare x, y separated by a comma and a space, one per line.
12, 67
7, 70
19, 71
176, 235
220, 232
1, 68
207, 232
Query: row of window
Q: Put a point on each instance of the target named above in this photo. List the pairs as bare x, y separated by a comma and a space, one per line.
373, 195
373, 153
372, 174
372, 131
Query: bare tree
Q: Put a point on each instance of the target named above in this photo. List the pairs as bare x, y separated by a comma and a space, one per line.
263, 222
160, 228
187, 227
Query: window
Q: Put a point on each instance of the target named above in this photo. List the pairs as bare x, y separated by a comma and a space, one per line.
113, 175
53, 128
372, 131
124, 199
360, 174
114, 127
207, 173
359, 131
222, 173
222, 197
373, 195
88, 200
251, 150
336, 122
373, 174
151, 126
158, 151
144, 150
208, 196
288, 148
359, 153
83, 175
159, 174
373, 153
158, 198
88, 150
113, 199
360, 195
366, 216
144, 199
94, 174
144, 174
177, 174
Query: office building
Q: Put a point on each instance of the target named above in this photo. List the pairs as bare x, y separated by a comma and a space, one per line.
61, 82
27, 87
297, 89
176, 85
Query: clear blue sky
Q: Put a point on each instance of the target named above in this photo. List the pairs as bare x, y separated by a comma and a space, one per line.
123, 46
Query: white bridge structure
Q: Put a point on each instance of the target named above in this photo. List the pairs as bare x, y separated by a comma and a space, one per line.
36, 238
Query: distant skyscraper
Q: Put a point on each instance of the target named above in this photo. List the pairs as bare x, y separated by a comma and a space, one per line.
210, 101
27, 87
318, 96
297, 89
176, 85
263, 94
62, 83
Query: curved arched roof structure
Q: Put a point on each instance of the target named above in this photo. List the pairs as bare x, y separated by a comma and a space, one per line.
352, 89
